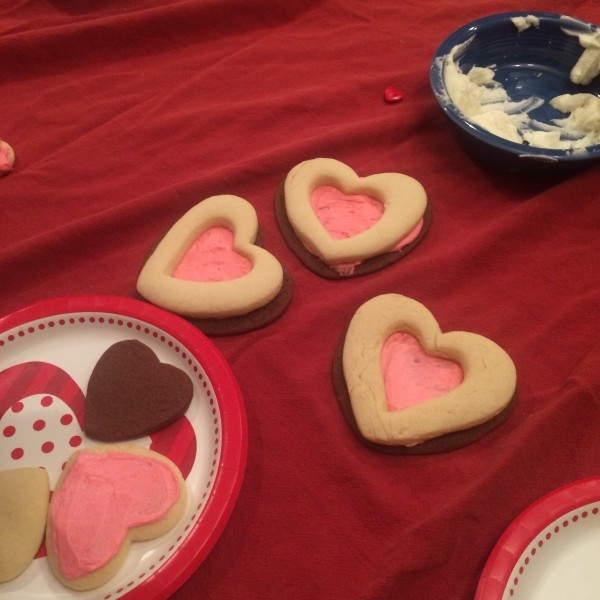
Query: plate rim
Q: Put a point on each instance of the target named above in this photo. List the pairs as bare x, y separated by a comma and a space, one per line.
234, 447
525, 527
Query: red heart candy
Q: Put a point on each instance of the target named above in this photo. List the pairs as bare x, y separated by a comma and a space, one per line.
393, 94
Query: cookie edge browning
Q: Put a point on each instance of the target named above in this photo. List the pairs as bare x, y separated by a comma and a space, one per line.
256, 319
148, 531
321, 268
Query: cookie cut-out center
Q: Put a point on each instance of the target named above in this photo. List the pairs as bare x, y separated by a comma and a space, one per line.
344, 215
212, 257
412, 376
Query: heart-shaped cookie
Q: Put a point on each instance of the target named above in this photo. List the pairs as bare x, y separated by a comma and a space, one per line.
24, 497
468, 402
106, 498
262, 291
131, 394
326, 210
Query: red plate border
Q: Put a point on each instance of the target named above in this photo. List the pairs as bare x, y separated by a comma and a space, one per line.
234, 449
523, 530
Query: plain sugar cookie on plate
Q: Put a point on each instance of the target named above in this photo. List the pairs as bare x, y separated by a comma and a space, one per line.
406, 387
24, 497
341, 225
210, 268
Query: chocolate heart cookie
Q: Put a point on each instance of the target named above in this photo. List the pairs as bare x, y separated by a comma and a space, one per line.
131, 394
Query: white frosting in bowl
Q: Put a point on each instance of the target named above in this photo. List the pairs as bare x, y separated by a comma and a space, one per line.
483, 101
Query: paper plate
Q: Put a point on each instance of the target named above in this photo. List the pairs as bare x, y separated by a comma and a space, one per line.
47, 353
549, 552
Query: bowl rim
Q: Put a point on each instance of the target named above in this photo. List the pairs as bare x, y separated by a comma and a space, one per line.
461, 35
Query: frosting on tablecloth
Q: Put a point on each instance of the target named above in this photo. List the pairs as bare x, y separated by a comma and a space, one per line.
121, 491
212, 258
412, 376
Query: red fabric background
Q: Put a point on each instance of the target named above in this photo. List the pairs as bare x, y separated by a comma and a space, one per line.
123, 114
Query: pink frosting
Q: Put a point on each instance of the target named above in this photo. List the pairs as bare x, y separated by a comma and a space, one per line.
345, 215
411, 376
102, 496
212, 258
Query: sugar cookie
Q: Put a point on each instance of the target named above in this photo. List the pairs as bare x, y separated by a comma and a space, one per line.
407, 387
342, 225
210, 268
24, 497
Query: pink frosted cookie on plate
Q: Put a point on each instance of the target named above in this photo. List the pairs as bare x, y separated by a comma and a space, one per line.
341, 225
406, 387
106, 498
210, 267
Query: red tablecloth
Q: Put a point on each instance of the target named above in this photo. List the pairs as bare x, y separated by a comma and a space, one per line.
125, 114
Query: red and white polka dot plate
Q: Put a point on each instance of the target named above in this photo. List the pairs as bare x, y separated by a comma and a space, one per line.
47, 353
549, 552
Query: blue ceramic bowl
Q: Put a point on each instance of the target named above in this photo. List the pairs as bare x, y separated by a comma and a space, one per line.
534, 62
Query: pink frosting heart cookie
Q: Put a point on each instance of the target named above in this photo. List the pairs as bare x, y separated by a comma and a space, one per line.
108, 497
342, 225
211, 269
407, 387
